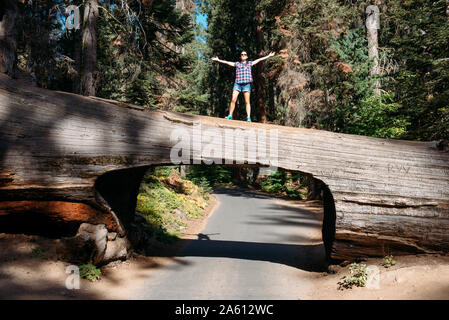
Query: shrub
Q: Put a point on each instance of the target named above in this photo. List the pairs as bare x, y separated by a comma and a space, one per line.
213, 174
275, 182
204, 185
164, 171
388, 261
164, 202
358, 277
279, 183
90, 272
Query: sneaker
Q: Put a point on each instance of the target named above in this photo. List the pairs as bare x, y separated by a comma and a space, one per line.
248, 119
229, 117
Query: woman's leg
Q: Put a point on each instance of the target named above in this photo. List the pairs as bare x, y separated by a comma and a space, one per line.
246, 94
235, 95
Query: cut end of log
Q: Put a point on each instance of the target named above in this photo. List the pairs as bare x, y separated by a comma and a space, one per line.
67, 215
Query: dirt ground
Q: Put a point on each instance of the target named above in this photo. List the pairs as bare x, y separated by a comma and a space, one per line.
29, 270
414, 277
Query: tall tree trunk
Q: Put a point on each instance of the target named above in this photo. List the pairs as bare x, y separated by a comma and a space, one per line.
373, 44
89, 48
77, 56
314, 188
255, 175
447, 8
8, 42
260, 70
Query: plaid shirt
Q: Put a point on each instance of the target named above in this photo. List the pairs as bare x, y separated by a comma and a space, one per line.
243, 72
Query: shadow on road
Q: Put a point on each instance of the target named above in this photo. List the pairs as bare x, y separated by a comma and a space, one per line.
287, 223
305, 257
241, 192
308, 256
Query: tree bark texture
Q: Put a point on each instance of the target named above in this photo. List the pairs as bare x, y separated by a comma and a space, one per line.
372, 20
260, 71
90, 48
8, 42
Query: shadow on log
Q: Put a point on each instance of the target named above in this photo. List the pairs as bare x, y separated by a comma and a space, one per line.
329, 218
117, 192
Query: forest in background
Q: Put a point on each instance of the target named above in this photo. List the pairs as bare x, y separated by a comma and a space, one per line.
153, 53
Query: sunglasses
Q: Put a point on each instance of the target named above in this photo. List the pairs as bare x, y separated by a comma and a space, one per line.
243, 54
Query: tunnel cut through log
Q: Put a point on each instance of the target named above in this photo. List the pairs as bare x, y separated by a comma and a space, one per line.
119, 190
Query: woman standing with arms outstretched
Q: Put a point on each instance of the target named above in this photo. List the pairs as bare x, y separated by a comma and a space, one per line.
243, 80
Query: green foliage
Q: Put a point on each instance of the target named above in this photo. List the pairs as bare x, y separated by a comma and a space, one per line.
373, 116
90, 272
275, 182
154, 206
165, 206
388, 261
39, 45
419, 33
204, 184
279, 183
150, 208
163, 171
317, 30
356, 109
192, 95
215, 175
140, 48
358, 276
164, 199
329, 39
146, 50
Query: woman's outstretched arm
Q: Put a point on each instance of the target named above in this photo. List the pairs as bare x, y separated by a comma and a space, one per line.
232, 64
262, 59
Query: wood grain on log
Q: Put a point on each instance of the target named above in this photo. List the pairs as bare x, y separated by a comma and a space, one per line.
389, 196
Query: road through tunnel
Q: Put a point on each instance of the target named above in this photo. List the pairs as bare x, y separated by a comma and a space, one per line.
163, 184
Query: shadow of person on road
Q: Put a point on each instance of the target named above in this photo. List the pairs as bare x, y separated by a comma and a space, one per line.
202, 236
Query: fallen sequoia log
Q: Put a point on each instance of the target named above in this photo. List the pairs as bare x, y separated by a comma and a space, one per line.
82, 159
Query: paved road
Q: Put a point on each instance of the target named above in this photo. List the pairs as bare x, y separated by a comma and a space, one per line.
251, 248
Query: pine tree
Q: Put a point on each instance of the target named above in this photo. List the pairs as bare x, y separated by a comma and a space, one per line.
142, 39
418, 31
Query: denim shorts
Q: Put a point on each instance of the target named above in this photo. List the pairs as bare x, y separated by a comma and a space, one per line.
242, 87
